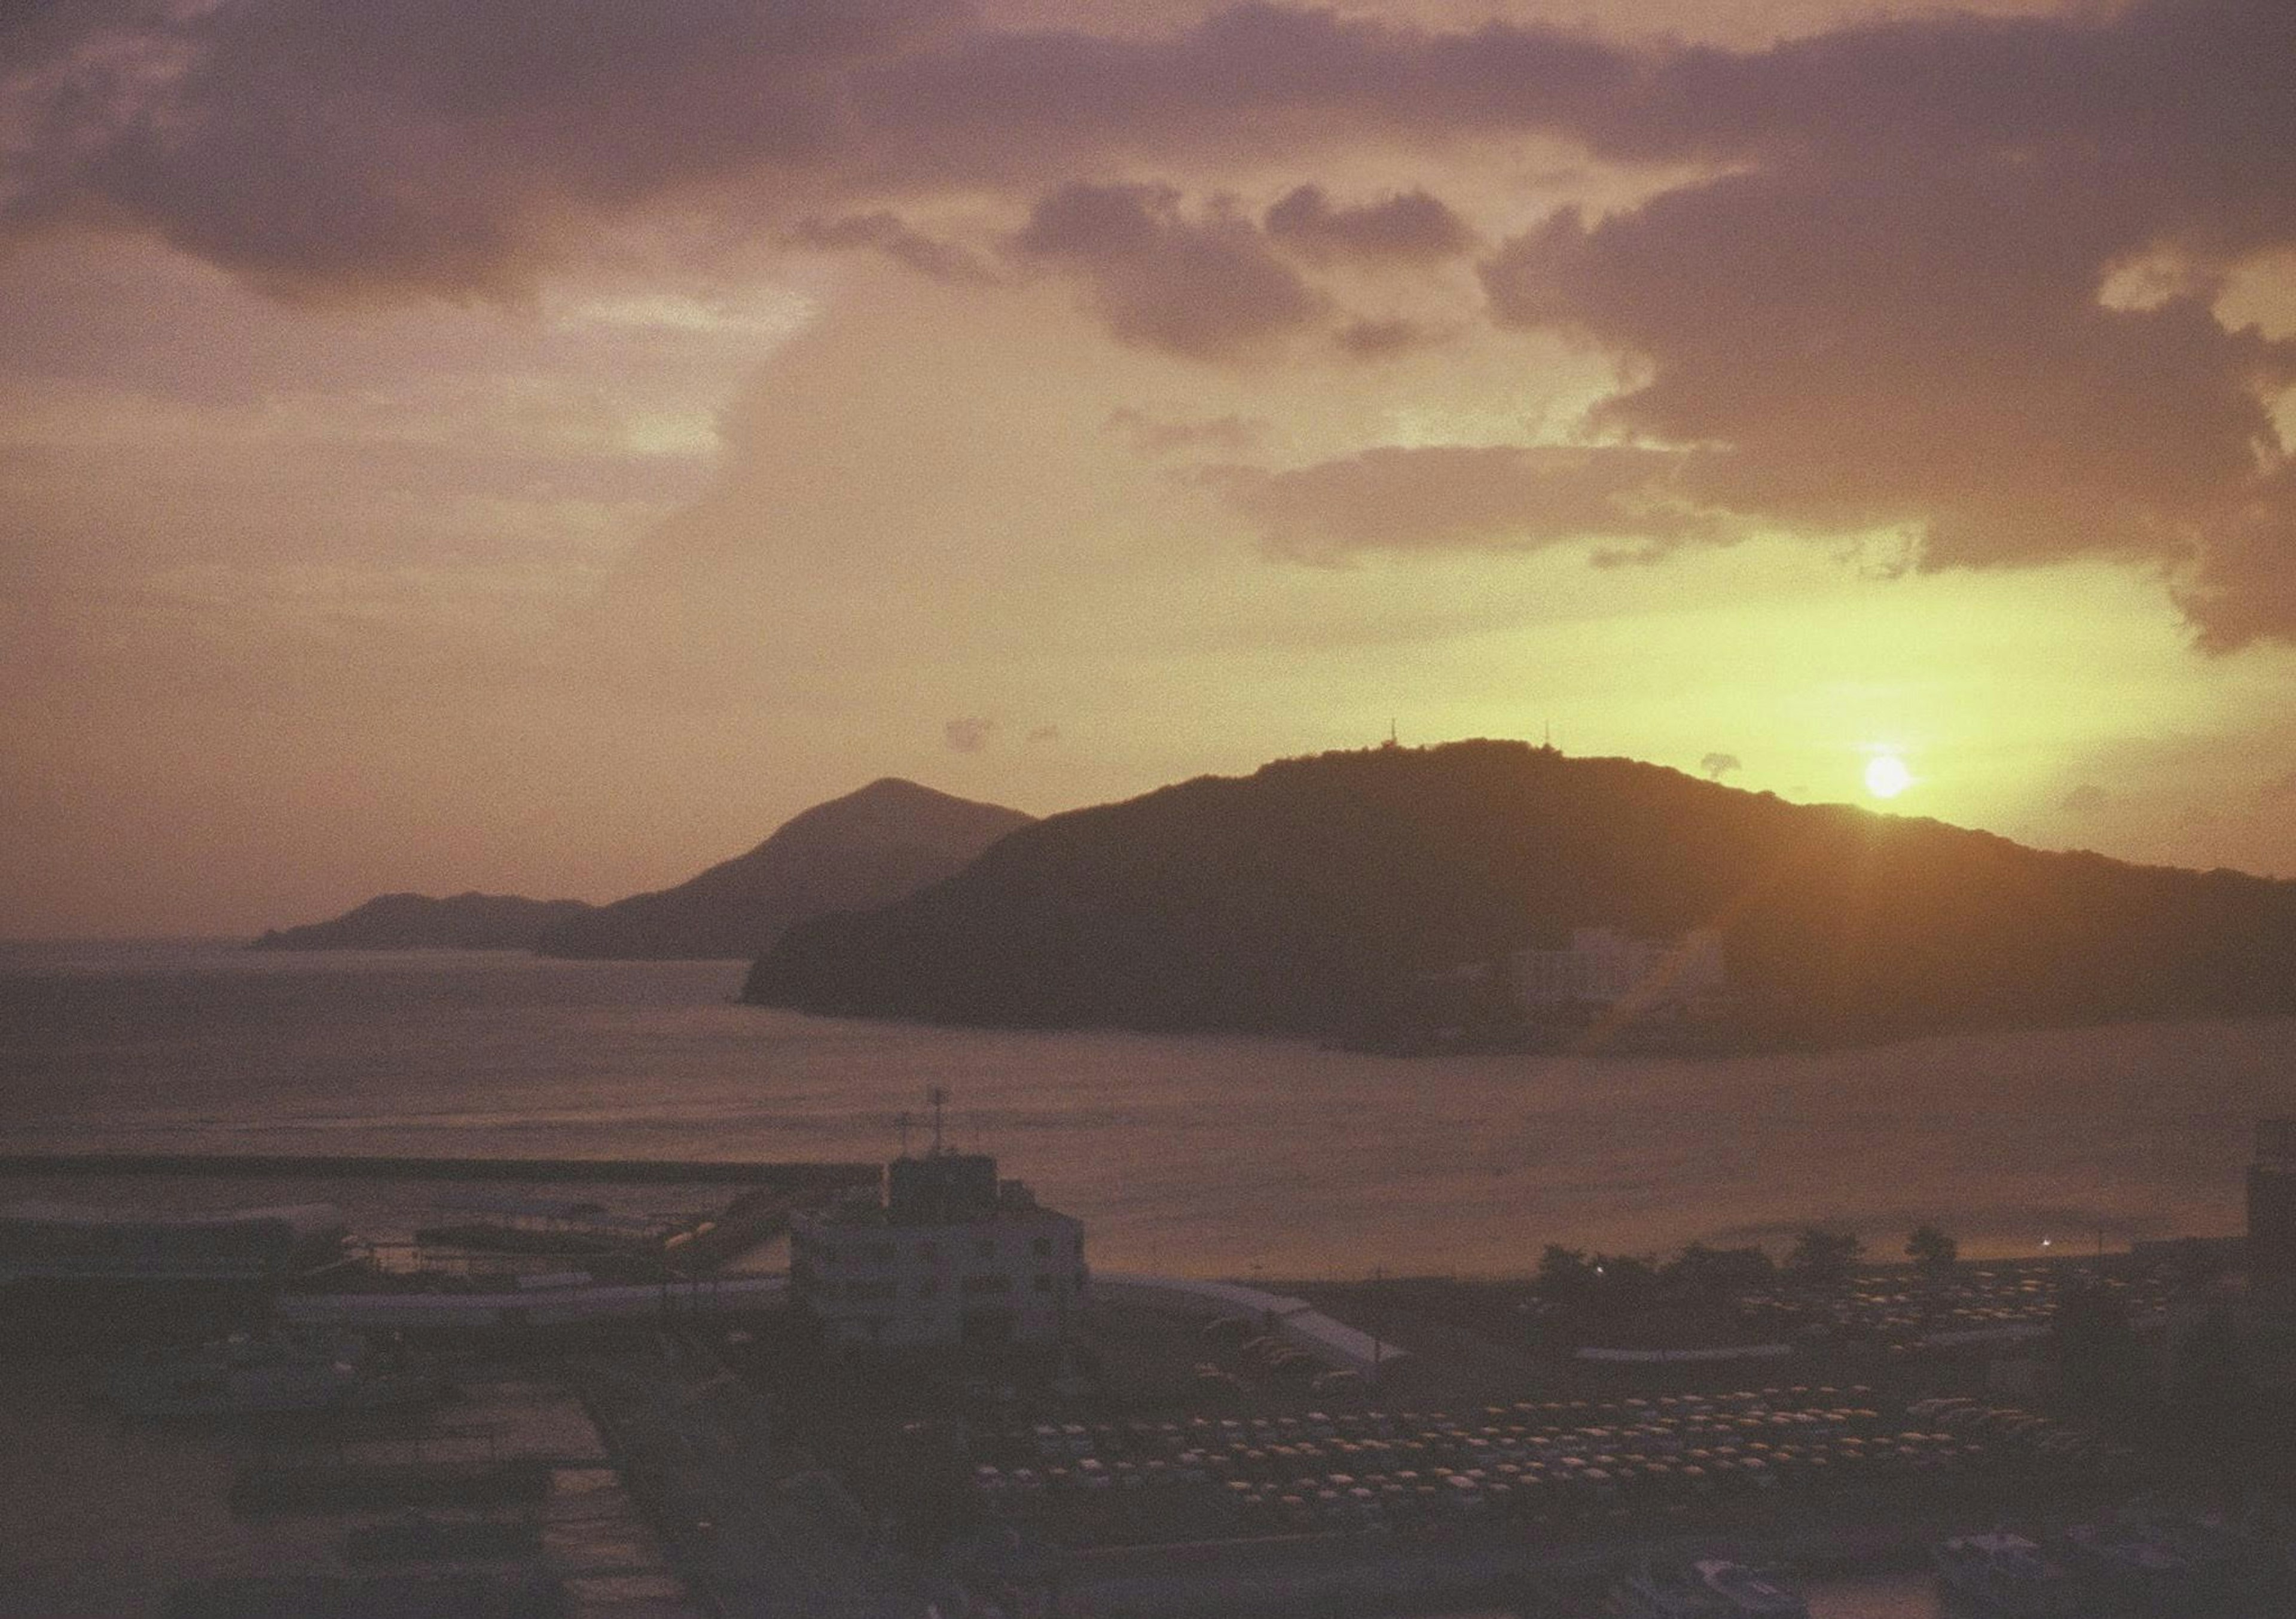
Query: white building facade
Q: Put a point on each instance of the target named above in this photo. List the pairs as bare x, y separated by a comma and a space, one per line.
946, 1255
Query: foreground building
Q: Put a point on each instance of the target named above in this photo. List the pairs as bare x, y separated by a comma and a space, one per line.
943, 1254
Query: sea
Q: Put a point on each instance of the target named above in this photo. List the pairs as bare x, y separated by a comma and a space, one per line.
1197, 1155
1249, 1158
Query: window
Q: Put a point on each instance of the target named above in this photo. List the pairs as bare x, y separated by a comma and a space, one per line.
1043, 1284
928, 1287
878, 1253
986, 1247
868, 1292
928, 1251
1042, 1247
976, 1285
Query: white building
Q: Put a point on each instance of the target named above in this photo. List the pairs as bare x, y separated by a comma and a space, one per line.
1604, 967
946, 1253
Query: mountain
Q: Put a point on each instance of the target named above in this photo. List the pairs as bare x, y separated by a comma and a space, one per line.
865, 849
416, 921
1315, 894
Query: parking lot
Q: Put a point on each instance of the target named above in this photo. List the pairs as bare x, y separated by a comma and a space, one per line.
1561, 1466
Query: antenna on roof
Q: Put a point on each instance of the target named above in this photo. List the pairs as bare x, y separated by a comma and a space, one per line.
939, 1098
905, 1133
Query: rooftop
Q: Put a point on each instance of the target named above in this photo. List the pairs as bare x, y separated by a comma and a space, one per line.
940, 1187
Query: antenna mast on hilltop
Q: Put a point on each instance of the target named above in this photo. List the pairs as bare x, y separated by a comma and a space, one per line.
939, 1098
905, 1133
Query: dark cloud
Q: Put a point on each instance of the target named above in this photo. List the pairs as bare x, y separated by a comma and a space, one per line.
1154, 435
425, 145
2087, 799
1717, 765
1205, 287
890, 234
1409, 227
1262, 78
969, 733
1380, 339
2244, 587
1877, 345
1873, 300
1450, 498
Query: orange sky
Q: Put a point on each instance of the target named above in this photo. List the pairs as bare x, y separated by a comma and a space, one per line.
521, 448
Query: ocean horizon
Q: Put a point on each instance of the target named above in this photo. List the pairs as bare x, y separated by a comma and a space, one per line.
1196, 1154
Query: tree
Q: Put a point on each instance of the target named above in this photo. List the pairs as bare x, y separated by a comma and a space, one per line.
1823, 1253
1931, 1249
1712, 1272
1564, 1275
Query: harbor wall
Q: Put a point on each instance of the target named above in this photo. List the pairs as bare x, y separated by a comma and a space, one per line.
790, 1176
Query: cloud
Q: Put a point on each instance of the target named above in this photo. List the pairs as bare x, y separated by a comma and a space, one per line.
1207, 288
1927, 350
2087, 799
1452, 497
968, 734
1408, 227
1044, 733
425, 145
1953, 273
1381, 340
898, 240
1154, 435
1717, 765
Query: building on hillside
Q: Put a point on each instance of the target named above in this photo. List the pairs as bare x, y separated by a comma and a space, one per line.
943, 1254
1603, 967
2271, 1218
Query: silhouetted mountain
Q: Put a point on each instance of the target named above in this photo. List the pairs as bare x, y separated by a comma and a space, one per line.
416, 921
865, 849
1315, 893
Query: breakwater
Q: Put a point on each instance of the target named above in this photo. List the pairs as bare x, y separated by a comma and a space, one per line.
785, 1175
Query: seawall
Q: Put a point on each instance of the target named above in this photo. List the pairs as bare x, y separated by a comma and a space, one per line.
793, 1176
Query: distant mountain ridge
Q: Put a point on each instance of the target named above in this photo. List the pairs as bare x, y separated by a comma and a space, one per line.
867, 849
864, 849
416, 921
1310, 895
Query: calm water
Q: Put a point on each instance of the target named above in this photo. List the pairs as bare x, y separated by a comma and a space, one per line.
1205, 1155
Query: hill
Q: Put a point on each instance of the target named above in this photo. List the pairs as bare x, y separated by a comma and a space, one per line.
416, 921
1313, 895
865, 849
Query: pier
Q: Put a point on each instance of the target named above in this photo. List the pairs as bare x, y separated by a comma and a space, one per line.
793, 1176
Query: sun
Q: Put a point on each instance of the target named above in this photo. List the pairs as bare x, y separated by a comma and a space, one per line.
1886, 775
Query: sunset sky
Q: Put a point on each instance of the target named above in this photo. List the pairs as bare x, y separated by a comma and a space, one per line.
539, 445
